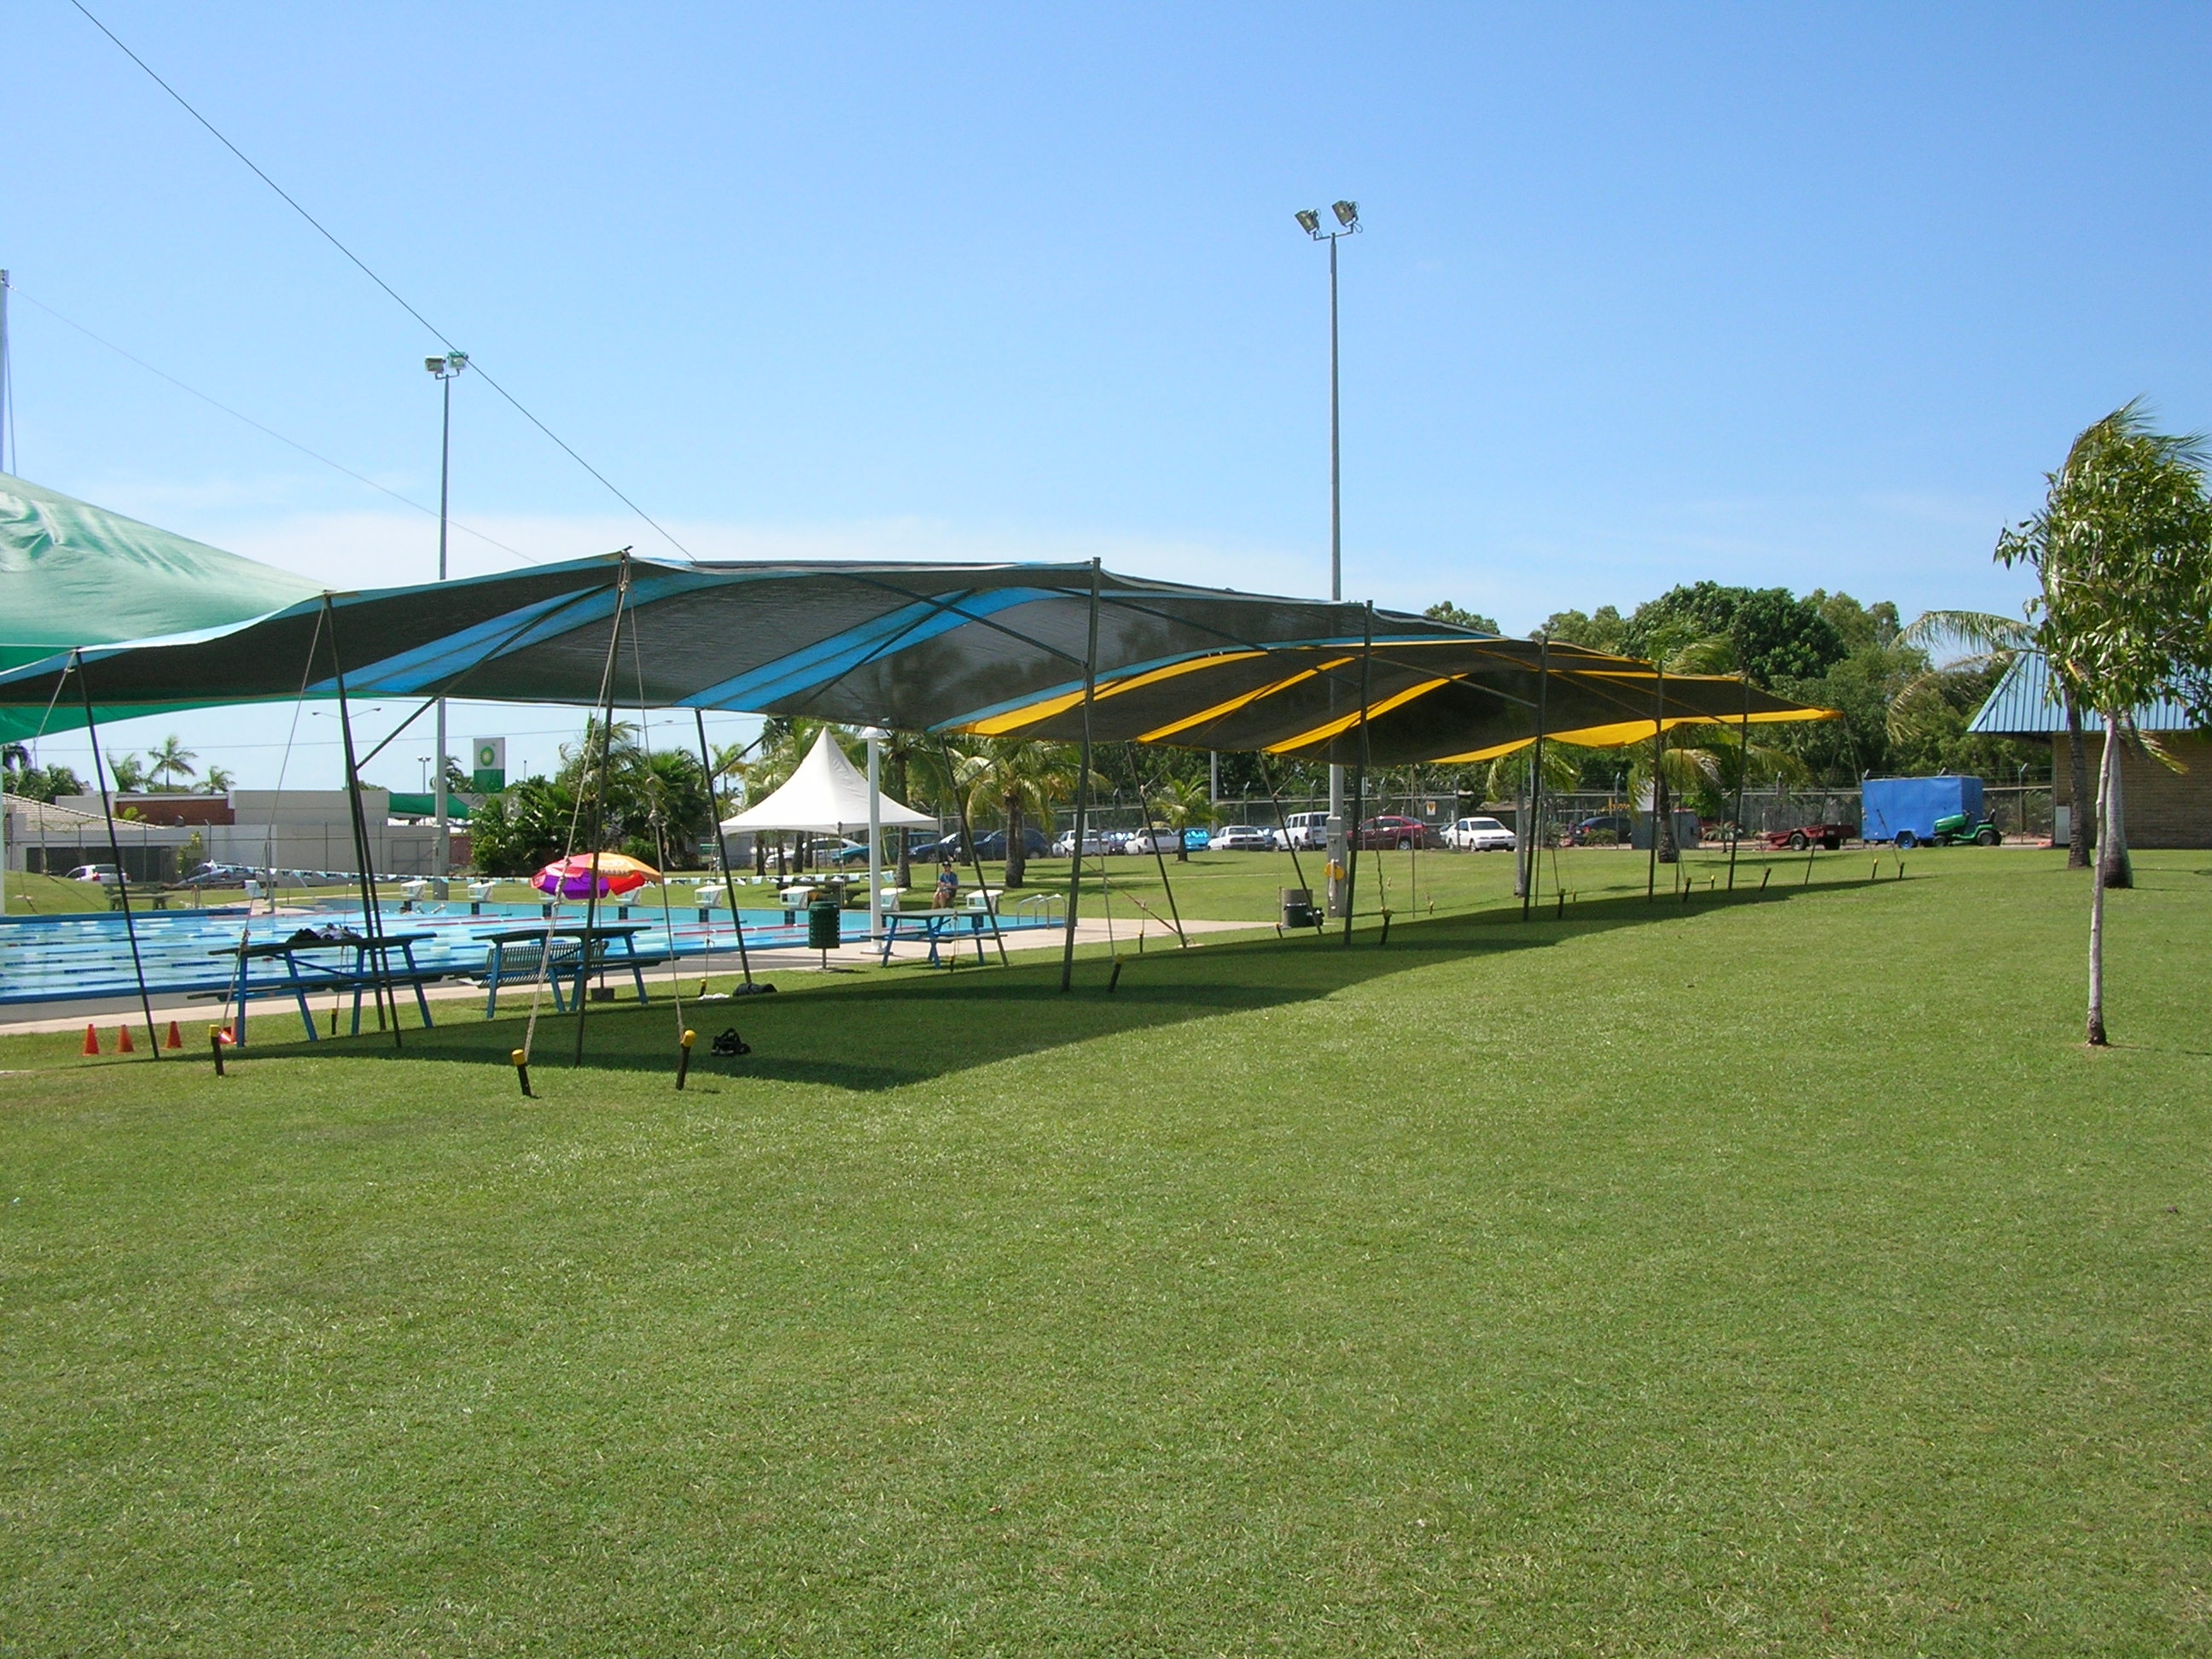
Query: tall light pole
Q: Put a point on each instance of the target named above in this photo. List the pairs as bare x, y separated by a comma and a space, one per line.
1347, 214
448, 369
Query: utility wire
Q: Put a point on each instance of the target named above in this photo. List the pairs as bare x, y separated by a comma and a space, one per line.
337, 466
324, 231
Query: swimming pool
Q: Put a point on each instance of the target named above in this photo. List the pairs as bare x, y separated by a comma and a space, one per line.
59, 958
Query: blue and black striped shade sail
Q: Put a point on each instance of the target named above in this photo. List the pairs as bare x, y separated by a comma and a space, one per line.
1001, 650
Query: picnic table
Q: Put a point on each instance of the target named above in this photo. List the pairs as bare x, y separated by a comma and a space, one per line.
936, 926
303, 972
571, 951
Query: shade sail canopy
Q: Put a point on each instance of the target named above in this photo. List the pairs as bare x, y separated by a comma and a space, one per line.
72, 573
825, 796
998, 650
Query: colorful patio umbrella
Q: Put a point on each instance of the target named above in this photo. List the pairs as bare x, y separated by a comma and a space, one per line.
571, 877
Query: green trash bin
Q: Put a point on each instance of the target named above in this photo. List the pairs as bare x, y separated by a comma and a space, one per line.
823, 931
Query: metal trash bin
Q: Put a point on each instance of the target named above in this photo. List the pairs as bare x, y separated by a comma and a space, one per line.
824, 930
1299, 907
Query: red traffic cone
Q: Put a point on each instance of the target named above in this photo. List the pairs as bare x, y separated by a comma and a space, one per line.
176, 1038
91, 1039
123, 1043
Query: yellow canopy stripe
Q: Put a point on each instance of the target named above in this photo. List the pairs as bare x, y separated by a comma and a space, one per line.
1321, 734
1014, 719
1618, 734
1219, 709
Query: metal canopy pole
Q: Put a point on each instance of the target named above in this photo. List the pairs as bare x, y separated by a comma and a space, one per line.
1166, 886
599, 807
1359, 776
115, 851
1658, 792
1082, 788
1290, 844
1536, 776
371, 917
722, 848
1742, 766
976, 859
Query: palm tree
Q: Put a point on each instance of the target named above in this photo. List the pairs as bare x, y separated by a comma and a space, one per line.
1988, 641
217, 780
1179, 803
1017, 779
128, 771
170, 759
2122, 551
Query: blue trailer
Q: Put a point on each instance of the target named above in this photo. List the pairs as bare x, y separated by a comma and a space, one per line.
1924, 811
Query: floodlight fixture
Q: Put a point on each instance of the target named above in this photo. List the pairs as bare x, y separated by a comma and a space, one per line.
1347, 213
1309, 221
433, 364
447, 367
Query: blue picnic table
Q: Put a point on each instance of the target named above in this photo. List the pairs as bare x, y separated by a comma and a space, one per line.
936, 926
303, 972
570, 952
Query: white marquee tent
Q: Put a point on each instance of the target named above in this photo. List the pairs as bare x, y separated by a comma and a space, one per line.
826, 796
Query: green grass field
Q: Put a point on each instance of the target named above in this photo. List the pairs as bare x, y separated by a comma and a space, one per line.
1769, 1276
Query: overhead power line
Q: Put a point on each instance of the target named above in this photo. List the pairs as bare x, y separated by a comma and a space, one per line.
362, 265
294, 443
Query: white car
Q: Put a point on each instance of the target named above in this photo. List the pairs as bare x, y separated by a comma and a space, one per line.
102, 874
1479, 836
1094, 844
1149, 841
1242, 838
1307, 831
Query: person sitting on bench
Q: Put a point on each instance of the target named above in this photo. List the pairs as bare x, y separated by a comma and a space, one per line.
948, 886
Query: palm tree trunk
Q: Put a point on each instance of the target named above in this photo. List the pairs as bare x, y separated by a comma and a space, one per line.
2111, 817
2078, 828
1017, 861
2097, 1038
1662, 802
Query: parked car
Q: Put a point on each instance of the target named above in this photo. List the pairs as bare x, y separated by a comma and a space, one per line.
1149, 841
218, 875
845, 851
106, 875
1303, 831
1480, 836
993, 843
1242, 838
1094, 844
1830, 836
1389, 830
1619, 827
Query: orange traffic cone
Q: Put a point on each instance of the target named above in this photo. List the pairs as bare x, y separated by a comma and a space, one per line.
123, 1043
176, 1039
91, 1039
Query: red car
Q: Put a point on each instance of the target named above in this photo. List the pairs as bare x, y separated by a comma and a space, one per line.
1830, 836
1390, 831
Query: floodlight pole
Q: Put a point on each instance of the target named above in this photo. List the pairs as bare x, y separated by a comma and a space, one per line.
1348, 217
448, 369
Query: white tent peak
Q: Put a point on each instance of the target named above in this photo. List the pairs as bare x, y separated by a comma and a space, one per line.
826, 796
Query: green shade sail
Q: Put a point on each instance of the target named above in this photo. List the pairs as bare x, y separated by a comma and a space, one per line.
72, 573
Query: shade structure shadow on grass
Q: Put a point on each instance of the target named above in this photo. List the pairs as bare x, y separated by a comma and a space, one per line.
888, 1029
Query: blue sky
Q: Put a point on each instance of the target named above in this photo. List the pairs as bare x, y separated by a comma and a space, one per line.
1797, 295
